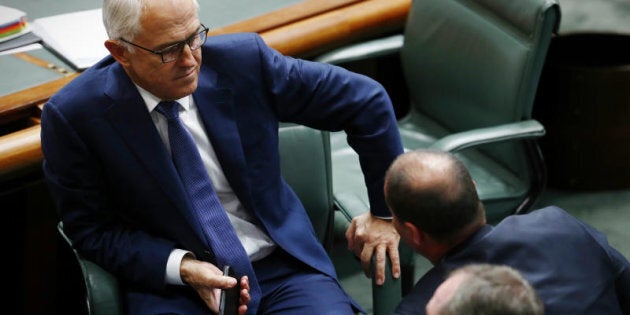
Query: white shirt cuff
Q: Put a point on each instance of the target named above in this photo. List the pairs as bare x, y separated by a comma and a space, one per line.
172, 266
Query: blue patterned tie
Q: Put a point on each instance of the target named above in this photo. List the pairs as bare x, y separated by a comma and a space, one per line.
215, 224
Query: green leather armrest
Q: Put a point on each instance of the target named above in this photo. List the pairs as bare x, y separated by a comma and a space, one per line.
101, 287
385, 297
103, 297
365, 50
527, 129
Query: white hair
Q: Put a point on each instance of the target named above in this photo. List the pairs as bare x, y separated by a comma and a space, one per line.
122, 17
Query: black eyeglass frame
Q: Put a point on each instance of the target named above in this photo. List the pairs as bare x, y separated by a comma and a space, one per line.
177, 47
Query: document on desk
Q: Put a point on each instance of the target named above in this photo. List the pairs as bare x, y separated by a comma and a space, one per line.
29, 69
12, 23
15, 31
76, 37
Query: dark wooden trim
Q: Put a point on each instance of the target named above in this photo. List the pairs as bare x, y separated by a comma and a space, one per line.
282, 17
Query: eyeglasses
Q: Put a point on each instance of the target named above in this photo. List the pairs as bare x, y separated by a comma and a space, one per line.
172, 52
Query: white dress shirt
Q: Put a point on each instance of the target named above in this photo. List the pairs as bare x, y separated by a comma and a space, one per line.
256, 242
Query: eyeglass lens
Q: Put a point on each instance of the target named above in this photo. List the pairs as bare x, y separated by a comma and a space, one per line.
172, 53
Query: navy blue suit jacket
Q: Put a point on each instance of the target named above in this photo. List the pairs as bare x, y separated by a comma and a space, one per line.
118, 193
571, 265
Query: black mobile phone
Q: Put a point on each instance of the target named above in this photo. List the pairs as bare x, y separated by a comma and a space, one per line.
229, 302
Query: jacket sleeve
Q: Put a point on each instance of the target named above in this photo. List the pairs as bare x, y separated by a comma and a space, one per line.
331, 98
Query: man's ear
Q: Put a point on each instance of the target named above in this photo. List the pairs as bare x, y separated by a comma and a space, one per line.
118, 51
416, 236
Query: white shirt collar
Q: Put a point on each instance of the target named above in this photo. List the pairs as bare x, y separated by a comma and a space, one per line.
151, 101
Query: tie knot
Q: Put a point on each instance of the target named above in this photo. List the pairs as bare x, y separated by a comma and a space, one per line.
169, 109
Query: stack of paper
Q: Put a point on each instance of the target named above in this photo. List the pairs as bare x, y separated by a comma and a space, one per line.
12, 23
77, 37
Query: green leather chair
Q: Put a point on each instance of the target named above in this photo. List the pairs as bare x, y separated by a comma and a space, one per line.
306, 166
101, 287
303, 151
471, 68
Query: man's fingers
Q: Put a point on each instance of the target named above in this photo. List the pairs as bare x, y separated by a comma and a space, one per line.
380, 255
223, 282
245, 282
245, 298
394, 258
366, 259
350, 233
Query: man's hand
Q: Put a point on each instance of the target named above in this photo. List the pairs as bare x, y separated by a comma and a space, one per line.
208, 281
369, 235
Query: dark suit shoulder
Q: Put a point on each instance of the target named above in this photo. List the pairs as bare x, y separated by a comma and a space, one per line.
89, 85
545, 218
234, 45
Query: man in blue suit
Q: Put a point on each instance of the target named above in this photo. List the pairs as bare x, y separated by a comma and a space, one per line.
437, 212
109, 168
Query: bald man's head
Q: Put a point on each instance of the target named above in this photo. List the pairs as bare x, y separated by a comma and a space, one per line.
434, 191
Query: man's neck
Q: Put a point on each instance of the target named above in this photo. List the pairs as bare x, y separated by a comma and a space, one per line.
438, 250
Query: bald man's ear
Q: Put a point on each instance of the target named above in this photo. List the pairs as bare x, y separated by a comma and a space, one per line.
118, 51
416, 236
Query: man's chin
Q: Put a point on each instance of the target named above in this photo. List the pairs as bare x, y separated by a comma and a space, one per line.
186, 90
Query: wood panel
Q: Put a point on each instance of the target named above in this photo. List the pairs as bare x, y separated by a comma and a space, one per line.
312, 36
288, 15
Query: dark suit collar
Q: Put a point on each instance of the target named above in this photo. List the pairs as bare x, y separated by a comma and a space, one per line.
474, 238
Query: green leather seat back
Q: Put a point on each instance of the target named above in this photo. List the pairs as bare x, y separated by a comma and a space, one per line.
305, 166
473, 64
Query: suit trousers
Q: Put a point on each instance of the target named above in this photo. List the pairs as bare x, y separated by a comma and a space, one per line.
291, 287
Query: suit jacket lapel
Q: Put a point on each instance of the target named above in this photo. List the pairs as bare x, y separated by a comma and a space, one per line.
215, 103
130, 118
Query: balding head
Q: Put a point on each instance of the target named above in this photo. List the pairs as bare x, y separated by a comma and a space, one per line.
434, 191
